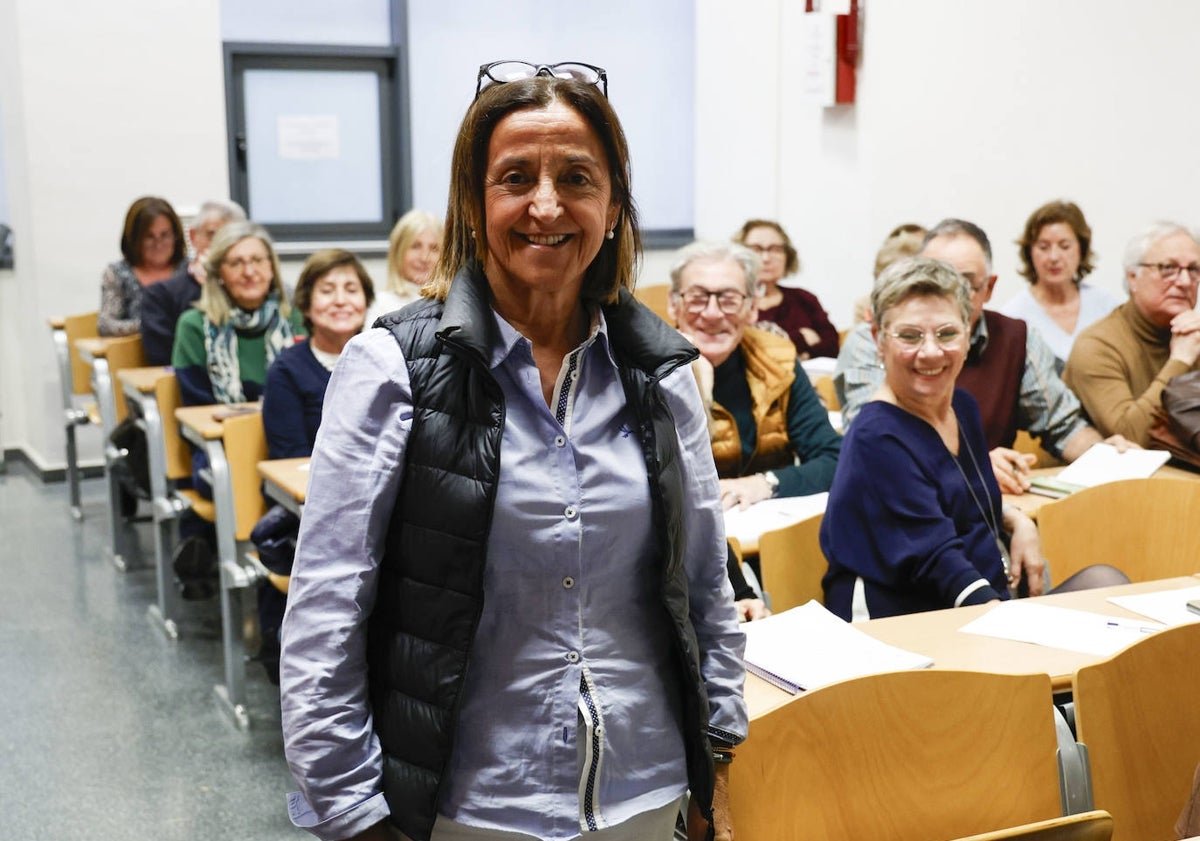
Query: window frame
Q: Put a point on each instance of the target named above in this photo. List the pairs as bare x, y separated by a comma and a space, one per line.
395, 166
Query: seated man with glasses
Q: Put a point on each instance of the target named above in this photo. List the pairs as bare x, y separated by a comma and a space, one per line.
1120, 364
770, 434
1009, 370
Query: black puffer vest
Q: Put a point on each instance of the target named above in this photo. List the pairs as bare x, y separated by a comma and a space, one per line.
430, 592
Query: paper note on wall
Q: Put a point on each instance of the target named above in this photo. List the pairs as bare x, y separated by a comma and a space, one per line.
308, 137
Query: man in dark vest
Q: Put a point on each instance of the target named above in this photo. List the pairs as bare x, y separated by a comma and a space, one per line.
1009, 370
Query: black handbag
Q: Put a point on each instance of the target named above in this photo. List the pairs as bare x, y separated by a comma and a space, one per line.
131, 467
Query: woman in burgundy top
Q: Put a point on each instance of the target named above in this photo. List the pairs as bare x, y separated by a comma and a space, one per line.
796, 311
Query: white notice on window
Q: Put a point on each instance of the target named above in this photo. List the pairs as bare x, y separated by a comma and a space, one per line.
308, 137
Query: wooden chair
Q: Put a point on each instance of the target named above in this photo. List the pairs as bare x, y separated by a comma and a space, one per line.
828, 393
655, 297
1136, 715
792, 564
1147, 528
1096, 825
923, 755
74, 378
1026, 443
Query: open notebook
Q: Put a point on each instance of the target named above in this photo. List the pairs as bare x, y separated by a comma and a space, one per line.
808, 647
1100, 464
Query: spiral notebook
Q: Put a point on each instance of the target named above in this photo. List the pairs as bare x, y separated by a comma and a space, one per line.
808, 647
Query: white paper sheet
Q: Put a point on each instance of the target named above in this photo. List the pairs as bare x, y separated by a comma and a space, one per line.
1166, 606
1102, 463
770, 514
807, 647
1060, 627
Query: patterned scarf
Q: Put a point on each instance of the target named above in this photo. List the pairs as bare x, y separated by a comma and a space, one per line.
221, 345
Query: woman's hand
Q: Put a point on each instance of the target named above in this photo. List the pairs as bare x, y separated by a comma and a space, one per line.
749, 610
1025, 552
1012, 469
697, 827
745, 491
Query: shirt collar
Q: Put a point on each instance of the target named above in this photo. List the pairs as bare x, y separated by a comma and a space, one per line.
508, 338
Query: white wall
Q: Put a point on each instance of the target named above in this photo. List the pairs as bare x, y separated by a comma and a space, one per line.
976, 109
103, 102
982, 110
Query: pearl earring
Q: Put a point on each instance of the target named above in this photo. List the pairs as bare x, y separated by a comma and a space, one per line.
610, 234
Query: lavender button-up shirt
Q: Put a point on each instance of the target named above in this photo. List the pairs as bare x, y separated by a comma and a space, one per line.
570, 715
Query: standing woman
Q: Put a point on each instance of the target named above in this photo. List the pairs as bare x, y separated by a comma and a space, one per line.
509, 611
1056, 255
413, 249
796, 311
152, 248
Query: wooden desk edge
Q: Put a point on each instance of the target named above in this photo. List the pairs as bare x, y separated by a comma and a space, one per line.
57, 322
144, 379
200, 419
285, 473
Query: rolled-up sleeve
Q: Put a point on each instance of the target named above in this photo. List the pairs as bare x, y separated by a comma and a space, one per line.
355, 473
722, 643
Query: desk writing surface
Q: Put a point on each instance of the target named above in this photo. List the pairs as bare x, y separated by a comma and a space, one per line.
290, 474
204, 421
97, 347
1031, 503
143, 380
57, 322
935, 634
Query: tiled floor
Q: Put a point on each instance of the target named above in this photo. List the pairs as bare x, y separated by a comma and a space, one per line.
108, 730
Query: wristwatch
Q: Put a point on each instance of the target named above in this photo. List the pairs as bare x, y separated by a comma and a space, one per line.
772, 482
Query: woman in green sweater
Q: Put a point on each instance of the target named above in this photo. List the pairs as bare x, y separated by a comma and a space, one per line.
222, 350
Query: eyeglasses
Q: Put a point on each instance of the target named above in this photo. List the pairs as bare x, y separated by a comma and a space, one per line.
1169, 272
241, 263
729, 301
769, 250
944, 337
500, 72
165, 236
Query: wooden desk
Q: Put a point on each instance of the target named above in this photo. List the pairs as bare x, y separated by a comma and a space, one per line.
138, 385
935, 634
285, 480
1030, 503
201, 425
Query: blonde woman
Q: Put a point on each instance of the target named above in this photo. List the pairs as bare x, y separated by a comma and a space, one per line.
413, 250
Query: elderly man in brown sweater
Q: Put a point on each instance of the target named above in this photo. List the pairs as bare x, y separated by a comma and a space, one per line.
1119, 365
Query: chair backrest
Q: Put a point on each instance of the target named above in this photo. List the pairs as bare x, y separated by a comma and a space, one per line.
123, 353
828, 393
924, 755
1147, 528
82, 326
655, 297
1137, 714
792, 564
245, 444
1096, 825
1026, 443
177, 455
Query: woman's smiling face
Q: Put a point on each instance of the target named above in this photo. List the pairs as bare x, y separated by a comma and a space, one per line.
547, 199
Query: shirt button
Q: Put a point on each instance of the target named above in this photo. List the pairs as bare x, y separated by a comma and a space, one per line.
568, 582
572, 656
560, 441
570, 512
